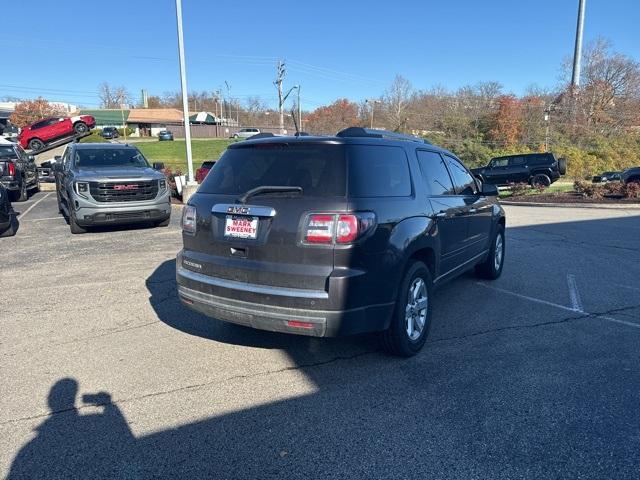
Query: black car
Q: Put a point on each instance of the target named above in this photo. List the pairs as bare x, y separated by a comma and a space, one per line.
8, 221
327, 236
109, 132
532, 168
630, 175
18, 171
165, 135
605, 177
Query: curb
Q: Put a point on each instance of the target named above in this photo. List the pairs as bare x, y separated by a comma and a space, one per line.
602, 206
47, 187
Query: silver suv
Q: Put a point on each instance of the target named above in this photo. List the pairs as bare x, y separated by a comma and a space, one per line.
246, 133
110, 183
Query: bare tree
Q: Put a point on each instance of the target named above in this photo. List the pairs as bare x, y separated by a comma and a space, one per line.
396, 101
113, 96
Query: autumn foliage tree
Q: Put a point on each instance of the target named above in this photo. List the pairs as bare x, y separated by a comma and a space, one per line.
31, 111
506, 125
332, 118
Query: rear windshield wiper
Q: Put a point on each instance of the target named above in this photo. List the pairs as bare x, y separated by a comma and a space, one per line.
268, 189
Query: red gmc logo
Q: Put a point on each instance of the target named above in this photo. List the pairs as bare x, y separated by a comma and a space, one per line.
125, 187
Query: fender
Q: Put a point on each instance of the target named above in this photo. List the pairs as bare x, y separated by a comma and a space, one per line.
408, 237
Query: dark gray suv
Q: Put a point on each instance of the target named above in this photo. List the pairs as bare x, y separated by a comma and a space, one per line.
339, 235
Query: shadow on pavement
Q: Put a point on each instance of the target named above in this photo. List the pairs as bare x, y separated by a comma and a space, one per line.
558, 401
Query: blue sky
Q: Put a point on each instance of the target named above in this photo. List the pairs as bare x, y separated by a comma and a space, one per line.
332, 48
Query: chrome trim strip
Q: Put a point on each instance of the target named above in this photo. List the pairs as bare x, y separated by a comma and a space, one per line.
251, 287
484, 252
210, 300
238, 209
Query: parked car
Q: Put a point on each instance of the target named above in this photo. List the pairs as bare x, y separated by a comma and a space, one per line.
246, 133
202, 172
9, 131
605, 177
165, 135
630, 175
18, 171
327, 236
37, 135
110, 183
46, 170
532, 168
8, 221
109, 132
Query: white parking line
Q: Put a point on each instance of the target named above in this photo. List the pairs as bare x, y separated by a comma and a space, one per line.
574, 295
47, 218
31, 207
556, 305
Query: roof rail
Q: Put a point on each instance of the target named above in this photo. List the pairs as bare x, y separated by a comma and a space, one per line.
371, 133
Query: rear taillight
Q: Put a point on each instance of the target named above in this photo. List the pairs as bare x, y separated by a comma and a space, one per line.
11, 170
330, 228
319, 228
189, 218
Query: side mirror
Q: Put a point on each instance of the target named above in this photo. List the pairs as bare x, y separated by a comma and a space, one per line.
489, 190
158, 166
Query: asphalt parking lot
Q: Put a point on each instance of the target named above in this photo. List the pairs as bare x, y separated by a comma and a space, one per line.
536, 375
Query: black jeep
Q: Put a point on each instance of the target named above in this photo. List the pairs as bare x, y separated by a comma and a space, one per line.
328, 236
532, 168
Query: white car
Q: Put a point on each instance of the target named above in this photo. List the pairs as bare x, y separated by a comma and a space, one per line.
246, 133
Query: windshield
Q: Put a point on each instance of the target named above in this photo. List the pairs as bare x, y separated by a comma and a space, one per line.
109, 157
318, 169
7, 151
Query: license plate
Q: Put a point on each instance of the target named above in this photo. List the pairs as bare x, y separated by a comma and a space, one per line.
241, 227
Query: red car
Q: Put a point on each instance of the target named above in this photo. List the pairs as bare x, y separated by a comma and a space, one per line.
36, 136
203, 170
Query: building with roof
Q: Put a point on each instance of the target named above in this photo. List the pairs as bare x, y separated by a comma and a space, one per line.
148, 122
108, 117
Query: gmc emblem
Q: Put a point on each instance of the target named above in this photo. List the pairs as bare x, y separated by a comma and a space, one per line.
238, 209
125, 187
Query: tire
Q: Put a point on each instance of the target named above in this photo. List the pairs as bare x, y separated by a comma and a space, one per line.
21, 195
73, 225
60, 210
491, 268
562, 166
80, 128
540, 179
36, 187
408, 315
163, 223
35, 144
12, 230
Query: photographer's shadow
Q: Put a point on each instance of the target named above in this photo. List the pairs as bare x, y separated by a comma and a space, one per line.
70, 444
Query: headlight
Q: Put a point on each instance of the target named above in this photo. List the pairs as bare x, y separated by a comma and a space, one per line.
82, 189
189, 218
162, 184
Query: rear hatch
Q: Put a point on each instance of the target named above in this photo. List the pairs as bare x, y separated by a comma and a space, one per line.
258, 239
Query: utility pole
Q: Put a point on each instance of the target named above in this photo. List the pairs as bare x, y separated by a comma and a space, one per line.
577, 53
373, 106
124, 125
183, 85
280, 73
299, 110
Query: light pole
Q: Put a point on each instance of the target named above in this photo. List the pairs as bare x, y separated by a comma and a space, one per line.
124, 125
183, 85
577, 53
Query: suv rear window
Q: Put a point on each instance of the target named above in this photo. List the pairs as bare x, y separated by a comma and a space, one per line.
318, 168
378, 171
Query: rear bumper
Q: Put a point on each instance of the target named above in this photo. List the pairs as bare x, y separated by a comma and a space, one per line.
12, 185
217, 298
